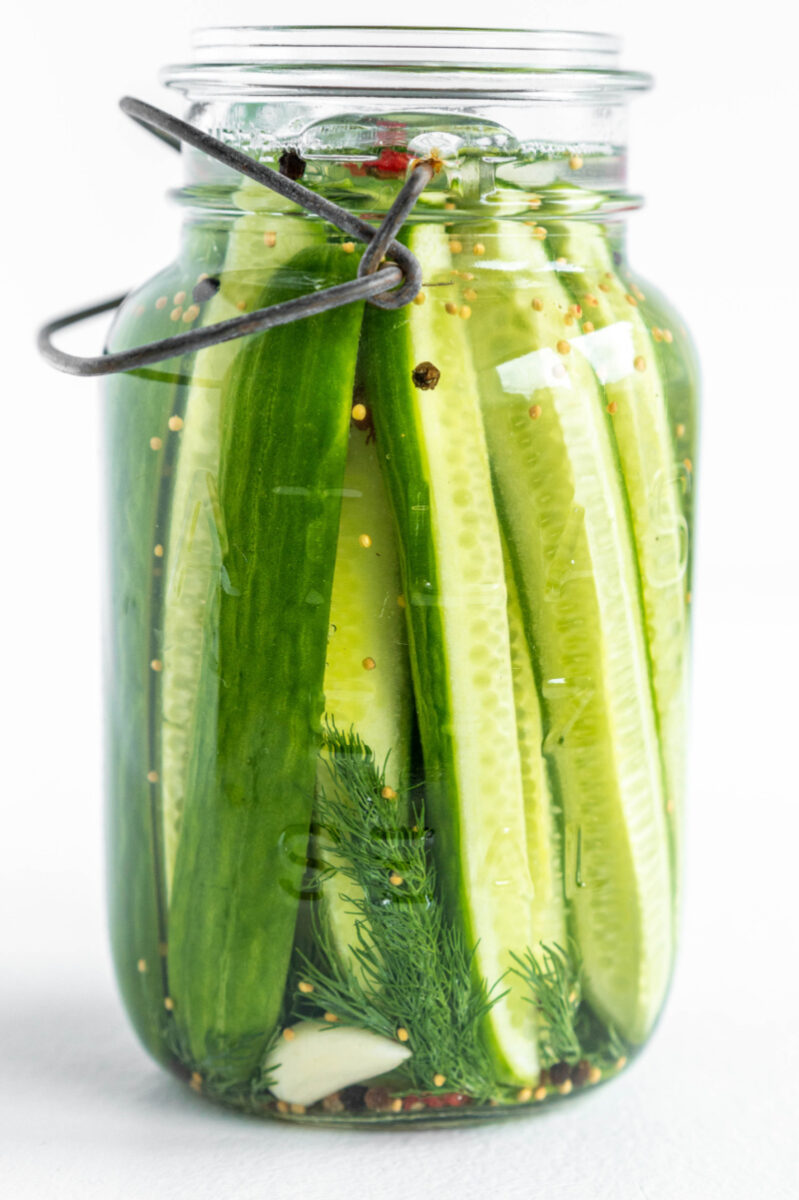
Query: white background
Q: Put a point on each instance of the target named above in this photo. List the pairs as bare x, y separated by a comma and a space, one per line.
711, 1109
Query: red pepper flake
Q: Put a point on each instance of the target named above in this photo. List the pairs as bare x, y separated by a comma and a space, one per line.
388, 162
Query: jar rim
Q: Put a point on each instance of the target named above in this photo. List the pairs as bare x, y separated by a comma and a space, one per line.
518, 63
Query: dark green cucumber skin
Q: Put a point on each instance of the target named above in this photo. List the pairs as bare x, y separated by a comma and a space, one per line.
137, 407
238, 876
386, 382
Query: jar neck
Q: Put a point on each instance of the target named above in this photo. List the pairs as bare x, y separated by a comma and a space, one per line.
516, 118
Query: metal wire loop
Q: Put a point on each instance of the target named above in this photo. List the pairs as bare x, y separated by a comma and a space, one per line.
394, 286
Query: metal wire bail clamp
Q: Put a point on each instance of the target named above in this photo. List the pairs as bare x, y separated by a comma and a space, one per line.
393, 286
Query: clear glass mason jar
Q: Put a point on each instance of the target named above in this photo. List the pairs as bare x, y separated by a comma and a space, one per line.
400, 600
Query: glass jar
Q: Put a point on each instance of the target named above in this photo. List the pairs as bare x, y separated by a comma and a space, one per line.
400, 600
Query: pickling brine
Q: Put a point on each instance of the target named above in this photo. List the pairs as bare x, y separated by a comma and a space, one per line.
399, 622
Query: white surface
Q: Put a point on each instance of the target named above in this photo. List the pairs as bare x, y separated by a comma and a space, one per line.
711, 1109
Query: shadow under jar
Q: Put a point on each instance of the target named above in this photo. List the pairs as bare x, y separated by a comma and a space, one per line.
400, 600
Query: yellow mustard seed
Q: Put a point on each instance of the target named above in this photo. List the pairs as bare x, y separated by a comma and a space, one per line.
467, 275
631, 300
359, 412
152, 777
388, 793
155, 443
348, 247
169, 1004
612, 407
565, 1087
297, 1109
196, 1081
401, 601
689, 466
402, 1034
289, 1034
538, 304
305, 988
479, 249
368, 664
175, 423
331, 1018
575, 162
470, 294
588, 327
451, 308
439, 1080
161, 302
176, 314
576, 309
591, 301
419, 298
534, 201
524, 1094
270, 238
680, 430
638, 293
141, 965
568, 319
668, 336
621, 1062
395, 879
594, 1075
455, 246
156, 664
365, 541
191, 314
281, 1106
396, 1105
178, 297
657, 334
563, 347
241, 305
540, 1093
540, 233
604, 287
450, 205
639, 363
465, 312
158, 551
535, 412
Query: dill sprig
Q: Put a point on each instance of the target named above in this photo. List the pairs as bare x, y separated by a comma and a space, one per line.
553, 978
416, 972
568, 1031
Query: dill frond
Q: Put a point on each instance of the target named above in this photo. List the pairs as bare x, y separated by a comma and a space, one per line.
416, 972
568, 1031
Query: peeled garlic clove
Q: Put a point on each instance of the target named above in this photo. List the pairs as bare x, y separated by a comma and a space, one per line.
321, 1058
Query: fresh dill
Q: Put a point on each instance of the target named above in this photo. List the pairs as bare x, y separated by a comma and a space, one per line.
568, 1031
417, 978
